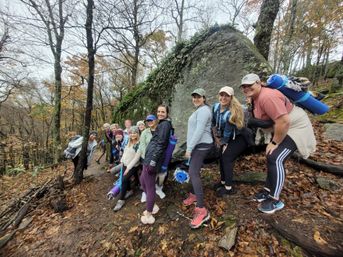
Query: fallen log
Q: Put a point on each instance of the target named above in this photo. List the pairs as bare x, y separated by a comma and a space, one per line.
21, 214
308, 244
320, 166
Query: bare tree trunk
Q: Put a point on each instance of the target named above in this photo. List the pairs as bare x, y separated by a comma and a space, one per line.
57, 104
287, 49
78, 174
180, 24
309, 54
264, 26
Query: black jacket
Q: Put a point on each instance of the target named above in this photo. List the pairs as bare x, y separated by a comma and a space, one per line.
158, 144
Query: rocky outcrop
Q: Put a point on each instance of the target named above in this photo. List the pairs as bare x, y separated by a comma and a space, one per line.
220, 56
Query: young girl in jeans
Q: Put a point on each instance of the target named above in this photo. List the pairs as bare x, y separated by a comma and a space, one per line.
154, 154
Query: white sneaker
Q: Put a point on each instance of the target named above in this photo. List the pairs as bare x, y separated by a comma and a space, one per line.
159, 191
128, 194
119, 205
143, 198
155, 210
147, 218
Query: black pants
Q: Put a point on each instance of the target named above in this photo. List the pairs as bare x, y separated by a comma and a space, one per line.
197, 159
227, 159
126, 183
275, 166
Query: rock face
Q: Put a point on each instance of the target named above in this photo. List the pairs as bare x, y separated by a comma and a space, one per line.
216, 58
334, 131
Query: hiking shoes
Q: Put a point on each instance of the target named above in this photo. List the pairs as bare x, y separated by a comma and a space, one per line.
159, 191
147, 218
201, 215
143, 198
271, 205
155, 210
261, 196
190, 200
119, 205
218, 185
222, 191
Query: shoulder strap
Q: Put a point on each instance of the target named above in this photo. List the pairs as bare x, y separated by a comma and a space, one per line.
216, 107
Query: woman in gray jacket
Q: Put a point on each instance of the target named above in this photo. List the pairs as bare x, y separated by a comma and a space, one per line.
199, 143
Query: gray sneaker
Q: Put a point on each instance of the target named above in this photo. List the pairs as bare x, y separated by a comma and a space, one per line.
119, 205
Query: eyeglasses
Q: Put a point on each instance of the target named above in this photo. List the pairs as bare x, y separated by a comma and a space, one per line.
149, 120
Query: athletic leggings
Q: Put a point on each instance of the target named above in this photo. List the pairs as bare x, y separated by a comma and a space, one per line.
147, 180
126, 183
197, 159
227, 159
275, 166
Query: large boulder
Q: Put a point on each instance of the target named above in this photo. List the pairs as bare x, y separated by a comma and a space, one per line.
217, 57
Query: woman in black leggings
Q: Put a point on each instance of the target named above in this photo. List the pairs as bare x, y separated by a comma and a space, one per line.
227, 122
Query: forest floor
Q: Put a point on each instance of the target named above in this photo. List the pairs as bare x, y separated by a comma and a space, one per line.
91, 228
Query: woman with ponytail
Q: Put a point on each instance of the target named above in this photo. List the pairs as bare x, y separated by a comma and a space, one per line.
227, 125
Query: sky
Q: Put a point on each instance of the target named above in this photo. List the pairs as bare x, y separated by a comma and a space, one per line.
43, 69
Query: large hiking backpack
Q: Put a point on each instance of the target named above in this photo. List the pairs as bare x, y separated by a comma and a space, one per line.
296, 90
74, 147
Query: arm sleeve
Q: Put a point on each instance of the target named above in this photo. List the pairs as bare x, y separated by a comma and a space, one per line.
162, 140
142, 142
202, 117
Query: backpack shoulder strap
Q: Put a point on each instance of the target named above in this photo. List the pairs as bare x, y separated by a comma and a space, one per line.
216, 107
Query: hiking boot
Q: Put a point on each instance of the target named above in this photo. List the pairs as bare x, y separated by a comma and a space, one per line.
119, 205
218, 185
201, 215
271, 205
222, 191
261, 196
147, 218
190, 200
143, 198
159, 191
128, 194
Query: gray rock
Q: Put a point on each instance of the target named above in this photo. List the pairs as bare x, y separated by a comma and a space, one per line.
218, 57
327, 184
333, 131
228, 240
222, 60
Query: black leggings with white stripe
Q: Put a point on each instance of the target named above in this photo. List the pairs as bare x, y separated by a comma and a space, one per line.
275, 166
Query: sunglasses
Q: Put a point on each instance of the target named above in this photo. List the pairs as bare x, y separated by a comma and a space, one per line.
149, 120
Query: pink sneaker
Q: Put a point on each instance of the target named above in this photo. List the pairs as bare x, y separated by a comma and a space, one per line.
190, 200
201, 215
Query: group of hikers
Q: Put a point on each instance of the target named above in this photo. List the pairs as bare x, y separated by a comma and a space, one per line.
138, 151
